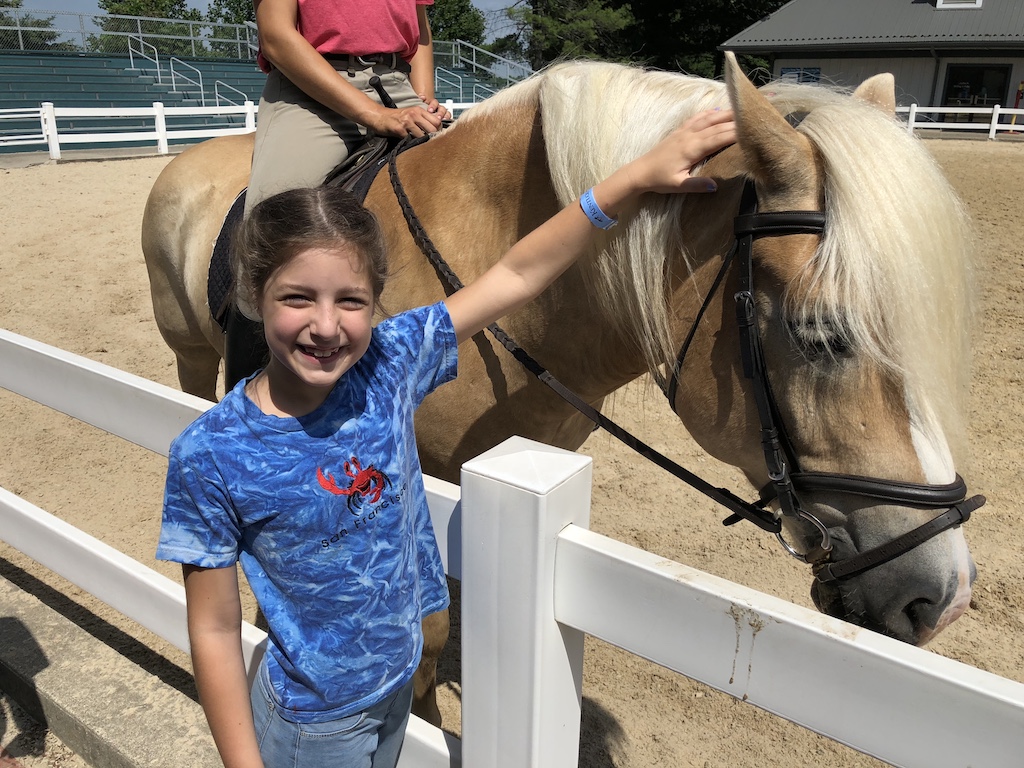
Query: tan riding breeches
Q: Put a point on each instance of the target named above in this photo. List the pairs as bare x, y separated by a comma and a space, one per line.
299, 141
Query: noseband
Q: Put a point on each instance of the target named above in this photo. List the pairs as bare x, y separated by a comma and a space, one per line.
786, 482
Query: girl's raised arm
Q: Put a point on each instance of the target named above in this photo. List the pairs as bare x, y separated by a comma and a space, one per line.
533, 263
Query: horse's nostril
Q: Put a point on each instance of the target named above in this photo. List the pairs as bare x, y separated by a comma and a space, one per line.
929, 617
923, 616
918, 609
829, 601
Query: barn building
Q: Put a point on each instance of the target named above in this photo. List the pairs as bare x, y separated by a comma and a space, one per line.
941, 52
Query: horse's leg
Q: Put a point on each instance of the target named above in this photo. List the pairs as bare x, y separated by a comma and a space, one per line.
197, 357
435, 635
197, 371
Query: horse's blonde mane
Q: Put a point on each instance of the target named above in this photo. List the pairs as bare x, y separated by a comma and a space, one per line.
895, 230
597, 116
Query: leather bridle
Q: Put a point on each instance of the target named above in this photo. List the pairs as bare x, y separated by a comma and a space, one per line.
786, 482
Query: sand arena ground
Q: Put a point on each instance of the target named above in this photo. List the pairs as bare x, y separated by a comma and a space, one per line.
72, 275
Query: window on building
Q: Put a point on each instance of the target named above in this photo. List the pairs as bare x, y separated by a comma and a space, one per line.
945, 4
976, 85
800, 74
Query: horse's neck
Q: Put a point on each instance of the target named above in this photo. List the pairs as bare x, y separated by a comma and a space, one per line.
498, 162
478, 189
707, 225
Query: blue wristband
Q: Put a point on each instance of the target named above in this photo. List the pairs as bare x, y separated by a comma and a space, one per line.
597, 217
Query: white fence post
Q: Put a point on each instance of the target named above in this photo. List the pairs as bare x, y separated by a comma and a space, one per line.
161, 128
50, 130
521, 670
250, 116
995, 122
911, 116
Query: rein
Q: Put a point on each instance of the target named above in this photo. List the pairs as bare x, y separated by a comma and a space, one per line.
778, 451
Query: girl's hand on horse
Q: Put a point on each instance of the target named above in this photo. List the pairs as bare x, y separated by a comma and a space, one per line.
538, 259
666, 167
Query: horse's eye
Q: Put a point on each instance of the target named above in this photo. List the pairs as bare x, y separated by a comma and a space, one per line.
817, 339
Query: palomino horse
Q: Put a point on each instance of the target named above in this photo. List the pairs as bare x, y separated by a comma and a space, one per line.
861, 324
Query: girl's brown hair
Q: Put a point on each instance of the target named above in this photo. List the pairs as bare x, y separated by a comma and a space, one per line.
289, 222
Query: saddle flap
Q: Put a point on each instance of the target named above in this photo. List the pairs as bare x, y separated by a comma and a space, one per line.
357, 172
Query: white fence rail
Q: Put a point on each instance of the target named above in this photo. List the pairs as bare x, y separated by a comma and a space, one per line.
522, 518
25, 136
58, 132
57, 129
993, 120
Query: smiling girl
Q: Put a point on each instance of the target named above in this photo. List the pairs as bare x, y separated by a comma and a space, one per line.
307, 472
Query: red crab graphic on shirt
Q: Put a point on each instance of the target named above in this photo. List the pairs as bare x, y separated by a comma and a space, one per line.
366, 485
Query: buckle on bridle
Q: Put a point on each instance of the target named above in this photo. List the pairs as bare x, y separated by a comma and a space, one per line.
820, 551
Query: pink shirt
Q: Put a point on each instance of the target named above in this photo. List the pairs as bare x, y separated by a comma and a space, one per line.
359, 27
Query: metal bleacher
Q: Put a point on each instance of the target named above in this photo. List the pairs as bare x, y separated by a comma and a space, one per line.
91, 80
462, 85
83, 78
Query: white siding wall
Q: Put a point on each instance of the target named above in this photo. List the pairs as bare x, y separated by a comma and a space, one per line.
917, 80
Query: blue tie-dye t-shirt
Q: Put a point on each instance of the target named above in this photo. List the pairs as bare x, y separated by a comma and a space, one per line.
328, 515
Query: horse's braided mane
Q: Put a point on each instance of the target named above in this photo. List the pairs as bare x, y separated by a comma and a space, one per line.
896, 229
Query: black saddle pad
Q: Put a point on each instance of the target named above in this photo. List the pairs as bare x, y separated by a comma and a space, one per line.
220, 283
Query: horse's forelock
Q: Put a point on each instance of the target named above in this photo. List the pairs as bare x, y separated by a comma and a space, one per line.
893, 270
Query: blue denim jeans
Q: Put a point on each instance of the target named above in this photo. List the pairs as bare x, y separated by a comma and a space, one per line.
368, 739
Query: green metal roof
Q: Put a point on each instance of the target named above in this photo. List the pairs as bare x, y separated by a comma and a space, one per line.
844, 25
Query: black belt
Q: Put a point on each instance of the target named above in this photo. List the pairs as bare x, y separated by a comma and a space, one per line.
390, 60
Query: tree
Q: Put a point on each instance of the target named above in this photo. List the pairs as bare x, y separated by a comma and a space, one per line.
28, 33
457, 20
685, 35
681, 35
231, 11
227, 41
546, 30
174, 37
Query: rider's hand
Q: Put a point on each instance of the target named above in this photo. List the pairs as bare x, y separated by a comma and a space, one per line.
433, 105
410, 121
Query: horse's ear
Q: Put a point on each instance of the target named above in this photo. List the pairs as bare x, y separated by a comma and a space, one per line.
777, 155
879, 91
